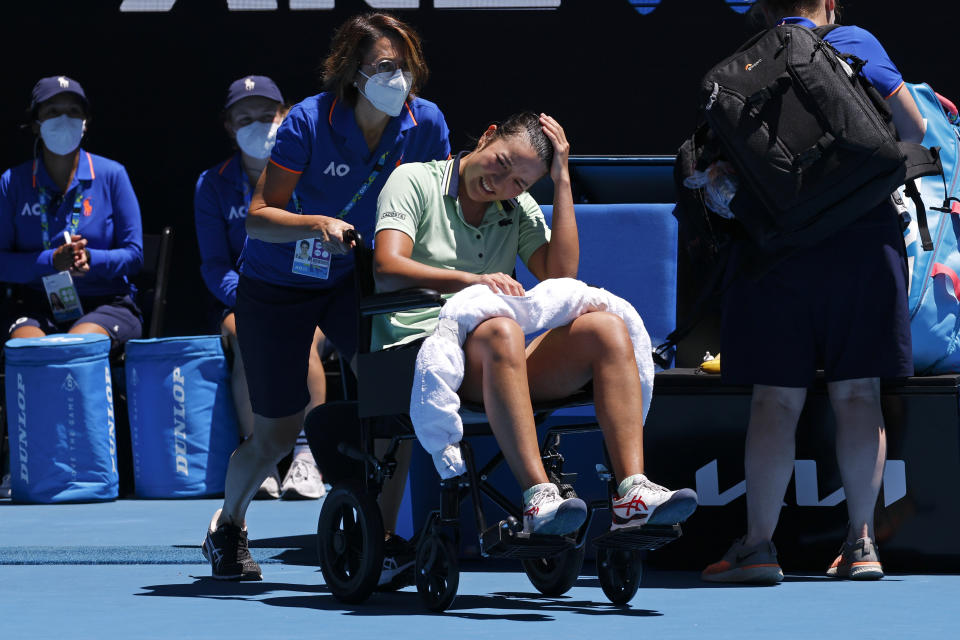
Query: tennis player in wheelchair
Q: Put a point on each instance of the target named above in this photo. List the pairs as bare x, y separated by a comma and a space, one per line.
446, 225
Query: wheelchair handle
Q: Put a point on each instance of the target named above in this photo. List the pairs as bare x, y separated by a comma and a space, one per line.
353, 234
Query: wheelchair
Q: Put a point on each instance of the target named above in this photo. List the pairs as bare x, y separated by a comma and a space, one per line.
350, 530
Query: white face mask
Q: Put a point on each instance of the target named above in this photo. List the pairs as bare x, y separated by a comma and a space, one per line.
62, 134
257, 138
388, 91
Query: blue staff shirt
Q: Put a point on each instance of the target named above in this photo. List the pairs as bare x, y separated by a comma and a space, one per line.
110, 221
321, 142
220, 214
879, 69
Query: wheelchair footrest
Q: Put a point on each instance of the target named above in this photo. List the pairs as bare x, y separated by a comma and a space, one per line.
501, 541
643, 538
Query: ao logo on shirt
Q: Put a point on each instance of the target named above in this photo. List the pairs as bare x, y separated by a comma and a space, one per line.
334, 169
237, 213
30, 209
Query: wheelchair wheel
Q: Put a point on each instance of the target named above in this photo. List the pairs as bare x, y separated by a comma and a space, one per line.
554, 575
438, 571
619, 572
350, 543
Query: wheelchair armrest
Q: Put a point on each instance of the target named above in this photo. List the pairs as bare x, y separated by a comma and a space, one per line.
402, 300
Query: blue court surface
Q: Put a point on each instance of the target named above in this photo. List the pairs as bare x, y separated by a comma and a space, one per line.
132, 569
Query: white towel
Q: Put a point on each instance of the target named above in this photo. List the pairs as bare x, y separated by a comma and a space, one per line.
434, 403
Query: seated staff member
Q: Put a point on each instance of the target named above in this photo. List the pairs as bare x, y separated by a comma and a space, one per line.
856, 336
450, 224
68, 192
252, 114
336, 149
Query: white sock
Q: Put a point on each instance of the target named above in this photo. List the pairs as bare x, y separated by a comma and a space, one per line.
302, 450
629, 482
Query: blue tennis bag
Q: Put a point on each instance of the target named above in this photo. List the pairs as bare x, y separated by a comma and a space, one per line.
183, 425
63, 444
934, 297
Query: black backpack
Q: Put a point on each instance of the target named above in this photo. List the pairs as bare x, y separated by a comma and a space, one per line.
814, 148
812, 141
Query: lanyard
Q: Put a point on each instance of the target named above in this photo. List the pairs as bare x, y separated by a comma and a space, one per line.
44, 198
74, 223
381, 163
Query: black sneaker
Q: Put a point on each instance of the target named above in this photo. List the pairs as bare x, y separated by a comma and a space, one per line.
399, 557
857, 561
228, 552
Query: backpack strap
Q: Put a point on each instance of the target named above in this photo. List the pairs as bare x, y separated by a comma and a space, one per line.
920, 161
910, 190
824, 29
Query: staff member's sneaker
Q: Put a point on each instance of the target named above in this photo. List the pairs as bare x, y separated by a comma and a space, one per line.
857, 561
640, 501
303, 482
227, 550
546, 512
748, 565
269, 488
399, 557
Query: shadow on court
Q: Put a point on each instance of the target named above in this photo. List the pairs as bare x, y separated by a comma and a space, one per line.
691, 580
292, 550
510, 606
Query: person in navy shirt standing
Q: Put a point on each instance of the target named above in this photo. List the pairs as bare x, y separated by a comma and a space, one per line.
813, 311
252, 113
334, 150
72, 213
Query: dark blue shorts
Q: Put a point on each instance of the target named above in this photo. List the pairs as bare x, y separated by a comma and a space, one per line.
275, 326
840, 306
118, 315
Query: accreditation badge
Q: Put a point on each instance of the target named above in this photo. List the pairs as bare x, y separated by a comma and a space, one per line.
62, 297
311, 259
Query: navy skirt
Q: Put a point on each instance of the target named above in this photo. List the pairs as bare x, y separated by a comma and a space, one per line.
840, 306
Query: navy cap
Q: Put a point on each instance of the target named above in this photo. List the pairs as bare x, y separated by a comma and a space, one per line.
252, 86
46, 88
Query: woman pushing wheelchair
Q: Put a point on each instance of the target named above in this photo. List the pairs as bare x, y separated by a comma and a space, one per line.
451, 224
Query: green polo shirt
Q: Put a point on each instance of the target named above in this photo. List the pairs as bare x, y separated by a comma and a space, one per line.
420, 199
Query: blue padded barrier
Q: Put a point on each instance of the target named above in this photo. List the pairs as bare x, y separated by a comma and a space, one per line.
631, 251
63, 445
183, 425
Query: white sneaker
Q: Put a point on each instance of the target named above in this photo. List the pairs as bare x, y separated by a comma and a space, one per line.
303, 482
5, 489
545, 512
646, 502
269, 488
399, 556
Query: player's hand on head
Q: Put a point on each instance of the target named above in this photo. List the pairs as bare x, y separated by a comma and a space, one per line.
561, 147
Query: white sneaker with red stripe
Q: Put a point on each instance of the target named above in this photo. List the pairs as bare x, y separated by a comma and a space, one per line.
545, 511
640, 501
